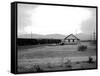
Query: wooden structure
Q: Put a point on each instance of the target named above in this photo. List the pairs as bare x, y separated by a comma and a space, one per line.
71, 40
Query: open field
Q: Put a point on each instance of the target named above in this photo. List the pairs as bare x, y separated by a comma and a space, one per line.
55, 57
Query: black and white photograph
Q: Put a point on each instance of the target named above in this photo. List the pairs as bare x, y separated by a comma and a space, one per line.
56, 38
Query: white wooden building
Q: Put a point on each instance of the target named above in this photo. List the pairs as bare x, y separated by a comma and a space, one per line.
71, 40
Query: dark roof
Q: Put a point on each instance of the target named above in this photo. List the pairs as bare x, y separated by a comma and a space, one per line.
72, 35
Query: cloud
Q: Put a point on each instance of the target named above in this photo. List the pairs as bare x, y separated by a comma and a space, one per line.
57, 19
40, 19
24, 16
89, 25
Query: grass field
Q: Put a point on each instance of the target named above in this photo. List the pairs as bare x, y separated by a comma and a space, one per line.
55, 57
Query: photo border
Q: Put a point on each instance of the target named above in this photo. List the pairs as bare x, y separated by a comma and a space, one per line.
14, 17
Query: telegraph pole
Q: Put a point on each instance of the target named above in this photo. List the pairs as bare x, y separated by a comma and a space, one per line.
31, 32
94, 35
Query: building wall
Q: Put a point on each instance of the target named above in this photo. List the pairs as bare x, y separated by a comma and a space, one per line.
70, 41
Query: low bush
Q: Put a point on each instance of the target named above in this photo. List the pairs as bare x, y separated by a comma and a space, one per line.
32, 68
90, 60
37, 68
68, 64
82, 48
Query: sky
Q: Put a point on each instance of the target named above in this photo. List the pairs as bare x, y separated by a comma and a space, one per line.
46, 19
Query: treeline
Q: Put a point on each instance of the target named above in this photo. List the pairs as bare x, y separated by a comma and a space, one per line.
23, 41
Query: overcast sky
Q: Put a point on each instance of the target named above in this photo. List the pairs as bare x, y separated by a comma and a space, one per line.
45, 19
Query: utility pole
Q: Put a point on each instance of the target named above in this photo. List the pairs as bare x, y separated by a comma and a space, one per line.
94, 35
31, 32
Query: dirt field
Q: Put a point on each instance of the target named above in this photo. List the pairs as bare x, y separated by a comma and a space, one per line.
55, 57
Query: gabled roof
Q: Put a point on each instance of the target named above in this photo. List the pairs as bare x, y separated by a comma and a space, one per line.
71, 35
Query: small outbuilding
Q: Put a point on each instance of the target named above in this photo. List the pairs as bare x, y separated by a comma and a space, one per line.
71, 40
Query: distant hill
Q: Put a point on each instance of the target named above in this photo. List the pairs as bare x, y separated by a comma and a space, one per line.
31, 36
81, 36
55, 36
49, 36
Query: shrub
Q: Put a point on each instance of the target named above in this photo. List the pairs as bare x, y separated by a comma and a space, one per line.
77, 62
30, 68
82, 48
90, 60
68, 64
61, 43
37, 68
